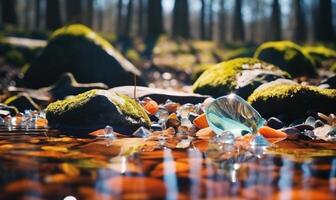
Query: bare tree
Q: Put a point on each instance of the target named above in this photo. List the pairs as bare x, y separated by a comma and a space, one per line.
37, 14
120, 17
202, 20
53, 15
275, 23
221, 21
181, 19
210, 27
89, 12
238, 25
140, 17
74, 11
323, 26
154, 18
8, 12
300, 28
128, 22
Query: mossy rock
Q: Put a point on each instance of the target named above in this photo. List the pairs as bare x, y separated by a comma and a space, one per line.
321, 54
79, 50
288, 56
22, 102
96, 109
293, 101
333, 67
240, 75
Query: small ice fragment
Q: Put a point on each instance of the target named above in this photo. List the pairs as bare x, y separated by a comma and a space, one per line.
162, 114
109, 133
142, 132
260, 141
186, 122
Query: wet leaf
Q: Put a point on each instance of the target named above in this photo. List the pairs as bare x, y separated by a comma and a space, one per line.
55, 148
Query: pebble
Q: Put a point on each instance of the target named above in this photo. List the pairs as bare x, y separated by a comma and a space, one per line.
318, 123
331, 135
303, 127
292, 133
309, 133
156, 127
192, 116
275, 123
310, 121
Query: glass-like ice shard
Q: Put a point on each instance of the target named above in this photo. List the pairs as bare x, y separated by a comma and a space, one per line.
142, 132
259, 140
234, 114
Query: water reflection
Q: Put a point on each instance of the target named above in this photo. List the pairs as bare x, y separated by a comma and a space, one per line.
88, 169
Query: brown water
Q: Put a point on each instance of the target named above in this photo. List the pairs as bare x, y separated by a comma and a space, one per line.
51, 166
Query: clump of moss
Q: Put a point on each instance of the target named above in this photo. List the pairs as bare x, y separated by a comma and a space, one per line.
320, 54
288, 56
222, 78
96, 109
293, 100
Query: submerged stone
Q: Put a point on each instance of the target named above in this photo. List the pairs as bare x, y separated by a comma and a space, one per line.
234, 114
241, 76
79, 50
294, 101
288, 56
96, 108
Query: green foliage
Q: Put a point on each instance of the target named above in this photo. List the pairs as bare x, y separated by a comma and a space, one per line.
288, 56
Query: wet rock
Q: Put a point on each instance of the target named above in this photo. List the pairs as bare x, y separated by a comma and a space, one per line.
241, 76
318, 123
79, 50
22, 102
288, 56
95, 109
309, 133
7, 110
292, 133
303, 127
293, 100
324, 132
275, 123
156, 127
160, 95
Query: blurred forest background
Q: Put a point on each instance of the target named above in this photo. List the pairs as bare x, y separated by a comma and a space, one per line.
225, 21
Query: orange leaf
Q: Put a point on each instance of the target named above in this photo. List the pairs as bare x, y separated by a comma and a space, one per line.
269, 132
201, 121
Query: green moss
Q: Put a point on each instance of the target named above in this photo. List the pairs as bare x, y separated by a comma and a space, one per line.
221, 78
320, 54
293, 100
83, 31
288, 56
129, 107
96, 109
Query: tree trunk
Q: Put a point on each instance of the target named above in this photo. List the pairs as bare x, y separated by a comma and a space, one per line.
120, 17
140, 18
37, 14
89, 13
221, 21
8, 12
73, 11
324, 27
210, 11
238, 26
299, 22
53, 15
181, 19
154, 18
202, 20
275, 32
128, 23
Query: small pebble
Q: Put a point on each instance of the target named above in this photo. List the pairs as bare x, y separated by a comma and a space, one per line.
318, 123
192, 116
275, 123
292, 133
309, 133
310, 121
156, 127
303, 127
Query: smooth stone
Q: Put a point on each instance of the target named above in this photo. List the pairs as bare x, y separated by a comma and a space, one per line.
303, 127
331, 135
292, 133
331, 82
324, 132
318, 123
275, 123
156, 127
309, 133
192, 116
160, 95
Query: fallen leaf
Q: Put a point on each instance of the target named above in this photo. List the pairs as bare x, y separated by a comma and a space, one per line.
70, 169
55, 148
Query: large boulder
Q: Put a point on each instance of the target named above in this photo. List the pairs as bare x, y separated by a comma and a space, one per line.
240, 75
79, 50
292, 100
95, 109
288, 56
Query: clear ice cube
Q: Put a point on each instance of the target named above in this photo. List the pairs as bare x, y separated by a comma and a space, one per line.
234, 114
